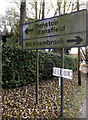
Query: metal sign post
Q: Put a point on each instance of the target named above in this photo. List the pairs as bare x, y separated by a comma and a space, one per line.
37, 75
62, 65
59, 81
37, 64
79, 57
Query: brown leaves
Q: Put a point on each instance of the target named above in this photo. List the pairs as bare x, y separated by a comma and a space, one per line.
20, 102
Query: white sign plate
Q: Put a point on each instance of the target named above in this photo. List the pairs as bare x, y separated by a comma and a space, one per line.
65, 73
56, 71
67, 30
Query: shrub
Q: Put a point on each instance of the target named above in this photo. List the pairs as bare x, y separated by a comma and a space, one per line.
19, 66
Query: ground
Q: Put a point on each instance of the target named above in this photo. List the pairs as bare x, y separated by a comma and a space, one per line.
20, 102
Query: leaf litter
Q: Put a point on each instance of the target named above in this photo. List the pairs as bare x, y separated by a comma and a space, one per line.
20, 103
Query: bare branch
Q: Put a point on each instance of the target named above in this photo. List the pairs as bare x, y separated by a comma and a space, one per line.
69, 6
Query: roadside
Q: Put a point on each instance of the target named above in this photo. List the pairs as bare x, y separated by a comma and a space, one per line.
84, 71
84, 109
74, 107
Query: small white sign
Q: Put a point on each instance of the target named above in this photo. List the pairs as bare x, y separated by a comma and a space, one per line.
65, 73
56, 71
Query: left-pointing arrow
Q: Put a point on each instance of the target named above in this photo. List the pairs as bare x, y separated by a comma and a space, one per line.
26, 31
78, 40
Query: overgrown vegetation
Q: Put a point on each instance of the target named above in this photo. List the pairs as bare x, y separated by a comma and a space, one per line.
19, 66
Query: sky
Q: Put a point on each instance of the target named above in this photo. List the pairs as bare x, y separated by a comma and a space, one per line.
5, 4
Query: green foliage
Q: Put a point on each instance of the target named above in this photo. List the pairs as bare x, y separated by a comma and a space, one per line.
70, 62
47, 62
12, 41
19, 66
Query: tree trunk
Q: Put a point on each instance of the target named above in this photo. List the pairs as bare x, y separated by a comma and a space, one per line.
43, 9
36, 10
22, 20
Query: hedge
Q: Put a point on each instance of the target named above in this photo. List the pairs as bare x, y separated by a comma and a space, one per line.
19, 66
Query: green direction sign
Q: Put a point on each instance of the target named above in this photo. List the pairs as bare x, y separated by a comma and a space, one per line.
67, 30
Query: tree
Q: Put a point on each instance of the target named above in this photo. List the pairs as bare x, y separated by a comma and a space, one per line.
22, 20
43, 9
9, 25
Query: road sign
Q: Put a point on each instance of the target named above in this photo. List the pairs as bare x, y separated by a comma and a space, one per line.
65, 73
67, 30
56, 71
